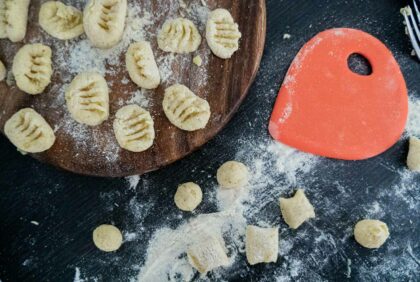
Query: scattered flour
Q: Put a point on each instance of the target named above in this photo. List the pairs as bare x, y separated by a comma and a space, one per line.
84, 57
77, 275
166, 252
133, 181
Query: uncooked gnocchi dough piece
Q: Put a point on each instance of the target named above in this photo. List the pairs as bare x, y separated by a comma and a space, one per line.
207, 255
141, 65
13, 19
184, 109
296, 210
232, 174
104, 22
107, 238
32, 68
262, 244
413, 158
179, 36
133, 128
222, 34
188, 196
29, 131
87, 98
61, 21
371, 233
198, 61
3, 71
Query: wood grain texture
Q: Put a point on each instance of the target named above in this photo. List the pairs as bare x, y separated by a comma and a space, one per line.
225, 87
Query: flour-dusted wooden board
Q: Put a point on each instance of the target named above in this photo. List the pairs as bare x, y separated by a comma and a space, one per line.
94, 150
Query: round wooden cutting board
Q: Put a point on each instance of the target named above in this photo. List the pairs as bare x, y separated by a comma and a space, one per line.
94, 150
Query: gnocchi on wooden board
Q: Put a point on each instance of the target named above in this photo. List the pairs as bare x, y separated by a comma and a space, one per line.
87, 98
29, 131
32, 68
61, 21
13, 19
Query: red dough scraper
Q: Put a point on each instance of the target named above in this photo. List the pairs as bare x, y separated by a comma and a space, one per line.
326, 109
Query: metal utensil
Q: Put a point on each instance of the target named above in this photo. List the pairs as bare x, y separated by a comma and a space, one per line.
412, 20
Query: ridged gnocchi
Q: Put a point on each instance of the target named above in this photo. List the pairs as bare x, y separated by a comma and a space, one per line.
87, 98
141, 65
61, 21
32, 68
179, 36
13, 19
222, 33
207, 255
133, 128
104, 22
184, 109
29, 131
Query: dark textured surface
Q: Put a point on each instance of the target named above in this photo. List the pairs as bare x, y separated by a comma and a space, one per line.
68, 207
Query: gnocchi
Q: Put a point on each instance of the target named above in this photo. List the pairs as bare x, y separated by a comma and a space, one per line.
104, 22
29, 131
179, 36
262, 244
107, 238
207, 255
13, 19
184, 109
87, 98
61, 21
133, 128
141, 65
188, 196
296, 210
32, 68
413, 158
371, 233
222, 33
232, 175
3, 71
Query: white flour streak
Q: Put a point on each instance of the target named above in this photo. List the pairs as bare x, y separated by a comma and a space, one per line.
166, 256
77, 276
166, 251
133, 181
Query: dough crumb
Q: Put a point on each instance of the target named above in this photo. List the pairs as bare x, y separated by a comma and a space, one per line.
232, 174
188, 196
198, 61
286, 36
107, 238
371, 233
413, 158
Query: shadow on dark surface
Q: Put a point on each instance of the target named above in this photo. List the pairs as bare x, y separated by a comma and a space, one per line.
68, 207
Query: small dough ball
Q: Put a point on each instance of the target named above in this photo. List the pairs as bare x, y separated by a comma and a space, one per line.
232, 174
3, 71
107, 238
188, 196
413, 158
296, 210
371, 233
